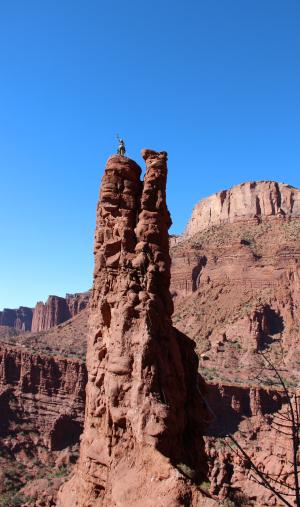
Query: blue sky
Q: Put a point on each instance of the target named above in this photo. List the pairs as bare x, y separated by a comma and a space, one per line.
215, 83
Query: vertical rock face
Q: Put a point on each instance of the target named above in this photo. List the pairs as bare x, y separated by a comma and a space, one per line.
57, 310
41, 392
252, 201
19, 319
143, 408
49, 314
77, 302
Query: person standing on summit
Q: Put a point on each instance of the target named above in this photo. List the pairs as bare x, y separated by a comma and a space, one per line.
121, 147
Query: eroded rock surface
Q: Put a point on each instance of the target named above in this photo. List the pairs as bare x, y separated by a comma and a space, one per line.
42, 402
144, 413
43, 390
252, 201
253, 415
236, 292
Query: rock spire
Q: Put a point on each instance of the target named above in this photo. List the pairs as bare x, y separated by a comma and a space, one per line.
144, 411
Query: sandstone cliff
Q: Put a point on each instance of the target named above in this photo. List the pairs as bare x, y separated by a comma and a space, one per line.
57, 310
252, 201
49, 394
252, 414
236, 291
77, 302
41, 417
144, 413
20, 319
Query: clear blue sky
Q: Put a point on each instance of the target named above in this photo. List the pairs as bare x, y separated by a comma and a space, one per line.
216, 83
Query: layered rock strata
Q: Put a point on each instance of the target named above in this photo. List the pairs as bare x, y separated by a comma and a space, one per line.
252, 201
236, 292
77, 302
144, 412
42, 402
45, 394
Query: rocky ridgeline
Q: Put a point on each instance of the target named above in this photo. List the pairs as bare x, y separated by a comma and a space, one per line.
251, 201
44, 316
144, 413
57, 310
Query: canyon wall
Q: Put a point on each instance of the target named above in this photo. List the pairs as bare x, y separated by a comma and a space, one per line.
253, 415
57, 310
43, 393
236, 292
251, 201
77, 302
20, 319
144, 412
42, 402
46, 315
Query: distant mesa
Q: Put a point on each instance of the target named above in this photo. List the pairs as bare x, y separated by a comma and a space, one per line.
254, 201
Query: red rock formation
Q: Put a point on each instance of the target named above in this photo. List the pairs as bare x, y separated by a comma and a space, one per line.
41, 417
57, 310
251, 414
46, 394
49, 314
143, 413
19, 319
236, 291
45, 315
77, 302
251, 201
235, 286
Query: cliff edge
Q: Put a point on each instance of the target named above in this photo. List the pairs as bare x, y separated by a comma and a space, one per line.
252, 201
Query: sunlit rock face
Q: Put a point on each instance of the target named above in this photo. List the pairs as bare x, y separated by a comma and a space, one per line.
57, 310
144, 411
252, 201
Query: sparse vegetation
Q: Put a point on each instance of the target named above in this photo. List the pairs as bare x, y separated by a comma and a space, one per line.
209, 373
13, 481
287, 422
205, 485
186, 470
12, 499
62, 471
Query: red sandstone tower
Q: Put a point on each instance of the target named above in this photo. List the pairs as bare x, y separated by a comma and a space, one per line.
143, 410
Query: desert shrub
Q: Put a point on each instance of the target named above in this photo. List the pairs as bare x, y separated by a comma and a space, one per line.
186, 470
205, 485
209, 373
229, 503
62, 471
14, 500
